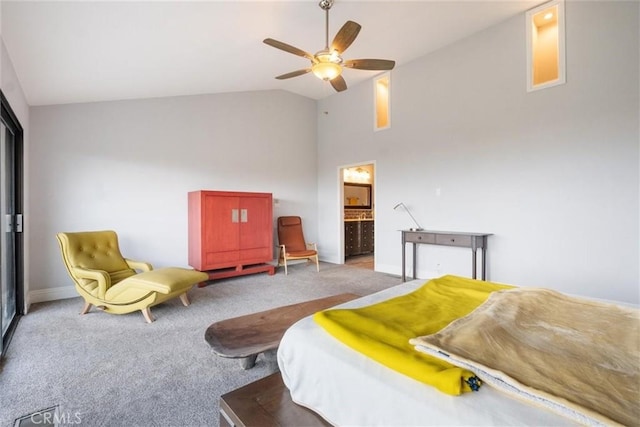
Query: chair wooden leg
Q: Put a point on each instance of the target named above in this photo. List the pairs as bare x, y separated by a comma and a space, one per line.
282, 259
86, 308
317, 264
185, 299
146, 312
285, 264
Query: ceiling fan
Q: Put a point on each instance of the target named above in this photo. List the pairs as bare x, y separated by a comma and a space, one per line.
327, 64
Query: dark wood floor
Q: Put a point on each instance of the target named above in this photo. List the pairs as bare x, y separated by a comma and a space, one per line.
360, 261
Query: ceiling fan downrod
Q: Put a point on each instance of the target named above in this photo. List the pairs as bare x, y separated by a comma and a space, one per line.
326, 5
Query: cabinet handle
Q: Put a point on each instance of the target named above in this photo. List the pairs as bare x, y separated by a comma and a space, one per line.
243, 215
234, 215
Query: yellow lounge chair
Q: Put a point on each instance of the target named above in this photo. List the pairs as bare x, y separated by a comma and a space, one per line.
104, 278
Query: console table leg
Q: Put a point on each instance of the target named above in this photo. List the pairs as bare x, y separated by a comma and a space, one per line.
484, 261
473, 263
415, 267
404, 277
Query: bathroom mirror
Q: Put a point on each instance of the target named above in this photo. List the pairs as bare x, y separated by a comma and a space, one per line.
357, 196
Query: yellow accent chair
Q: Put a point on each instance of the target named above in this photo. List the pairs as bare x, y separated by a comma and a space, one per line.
292, 243
104, 278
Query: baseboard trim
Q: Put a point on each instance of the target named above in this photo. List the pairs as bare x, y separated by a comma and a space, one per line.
52, 294
389, 269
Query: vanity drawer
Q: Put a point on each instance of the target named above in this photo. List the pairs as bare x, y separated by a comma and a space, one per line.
415, 237
453, 240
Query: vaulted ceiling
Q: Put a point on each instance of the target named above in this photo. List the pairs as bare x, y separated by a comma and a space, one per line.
85, 51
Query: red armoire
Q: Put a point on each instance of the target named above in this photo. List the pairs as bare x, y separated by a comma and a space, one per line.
230, 233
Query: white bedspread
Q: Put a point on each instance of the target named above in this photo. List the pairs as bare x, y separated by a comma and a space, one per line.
349, 389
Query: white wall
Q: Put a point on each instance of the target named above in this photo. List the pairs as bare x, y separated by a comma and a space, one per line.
553, 174
12, 89
15, 96
128, 166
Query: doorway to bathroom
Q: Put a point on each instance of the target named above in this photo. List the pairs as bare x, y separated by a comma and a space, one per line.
358, 213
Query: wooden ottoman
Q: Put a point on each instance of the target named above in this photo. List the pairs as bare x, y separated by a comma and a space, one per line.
247, 336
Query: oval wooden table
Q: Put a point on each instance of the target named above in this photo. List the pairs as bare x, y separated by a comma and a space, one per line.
245, 337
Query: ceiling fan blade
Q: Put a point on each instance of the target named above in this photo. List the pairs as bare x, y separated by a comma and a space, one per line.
338, 83
370, 64
293, 74
288, 48
345, 36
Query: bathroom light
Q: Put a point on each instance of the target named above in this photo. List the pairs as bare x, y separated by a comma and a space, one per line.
357, 175
418, 228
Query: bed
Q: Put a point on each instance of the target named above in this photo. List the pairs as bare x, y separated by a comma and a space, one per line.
346, 387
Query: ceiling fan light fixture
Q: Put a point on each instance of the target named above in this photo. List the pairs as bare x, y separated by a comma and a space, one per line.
326, 70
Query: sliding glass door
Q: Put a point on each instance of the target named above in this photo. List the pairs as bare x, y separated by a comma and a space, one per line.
10, 222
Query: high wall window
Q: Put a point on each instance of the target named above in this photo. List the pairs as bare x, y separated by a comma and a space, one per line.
545, 45
382, 102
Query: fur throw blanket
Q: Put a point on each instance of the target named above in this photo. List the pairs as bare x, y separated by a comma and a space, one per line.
574, 356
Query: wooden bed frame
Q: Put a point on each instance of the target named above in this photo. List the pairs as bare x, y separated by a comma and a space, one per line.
265, 402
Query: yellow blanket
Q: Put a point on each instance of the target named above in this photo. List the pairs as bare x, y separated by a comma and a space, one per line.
382, 331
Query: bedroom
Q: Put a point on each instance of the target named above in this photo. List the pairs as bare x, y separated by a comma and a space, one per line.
553, 174
545, 172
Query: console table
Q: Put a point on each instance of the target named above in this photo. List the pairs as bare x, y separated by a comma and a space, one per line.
474, 241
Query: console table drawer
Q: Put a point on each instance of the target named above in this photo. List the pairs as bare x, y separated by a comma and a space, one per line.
453, 240
419, 237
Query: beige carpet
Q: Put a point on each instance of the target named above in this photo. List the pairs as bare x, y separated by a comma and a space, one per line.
117, 370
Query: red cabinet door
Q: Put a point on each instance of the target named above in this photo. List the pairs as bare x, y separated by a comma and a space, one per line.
220, 230
256, 229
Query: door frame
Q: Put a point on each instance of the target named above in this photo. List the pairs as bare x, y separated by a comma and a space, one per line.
11, 121
341, 203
